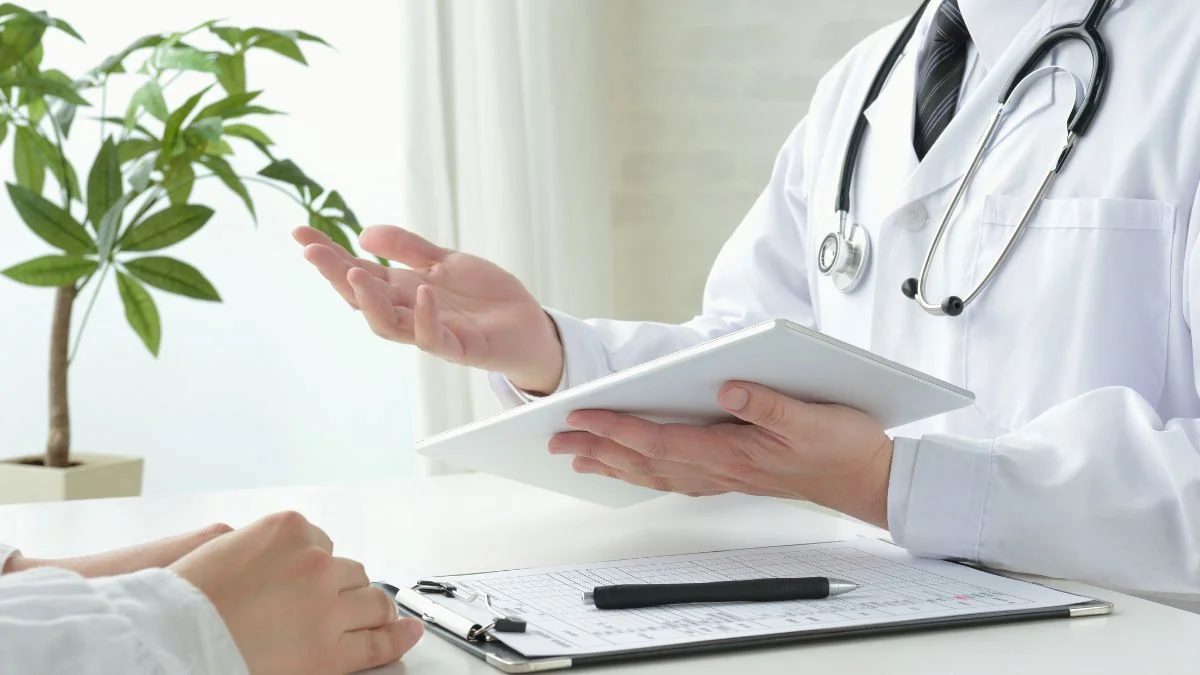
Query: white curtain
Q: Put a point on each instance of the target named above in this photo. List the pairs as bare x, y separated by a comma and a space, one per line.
504, 157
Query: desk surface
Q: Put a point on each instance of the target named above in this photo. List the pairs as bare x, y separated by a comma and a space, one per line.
456, 524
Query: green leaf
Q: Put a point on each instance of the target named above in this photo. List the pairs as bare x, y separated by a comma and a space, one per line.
282, 45
33, 60
50, 222
104, 182
286, 170
207, 130
62, 170
19, 37
309, 37
231, 72
4, 122
231, 102
110, 224
179, 181
175, 123
64, 114
132, 148
44, 86
187, 58
335, 201
140, 311
231, 36
27, 161
173, 276
249, 110
51, 270
329, 227
169, 226
139, 128
9, 8
217, 149
66, 28
113, 64
150, 97
139, 176
230, 178
250, 133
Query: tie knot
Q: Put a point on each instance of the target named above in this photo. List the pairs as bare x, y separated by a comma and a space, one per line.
949, 26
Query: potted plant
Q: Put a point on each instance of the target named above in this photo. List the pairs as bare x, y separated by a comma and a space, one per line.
110, 223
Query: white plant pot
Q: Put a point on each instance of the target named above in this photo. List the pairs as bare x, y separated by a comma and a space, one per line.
91, 477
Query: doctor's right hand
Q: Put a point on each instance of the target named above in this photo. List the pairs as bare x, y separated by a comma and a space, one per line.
453, 305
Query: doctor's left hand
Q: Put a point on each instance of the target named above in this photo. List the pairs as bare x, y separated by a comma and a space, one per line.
831, 455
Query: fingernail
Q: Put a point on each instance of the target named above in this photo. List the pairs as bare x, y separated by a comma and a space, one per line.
735, 399
412, 629
577, 424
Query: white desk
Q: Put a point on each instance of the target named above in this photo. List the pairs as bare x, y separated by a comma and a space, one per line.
473, 523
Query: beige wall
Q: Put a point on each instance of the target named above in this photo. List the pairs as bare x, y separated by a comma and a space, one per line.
702, 94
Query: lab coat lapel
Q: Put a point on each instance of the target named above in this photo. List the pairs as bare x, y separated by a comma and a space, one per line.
950, 157
892, 115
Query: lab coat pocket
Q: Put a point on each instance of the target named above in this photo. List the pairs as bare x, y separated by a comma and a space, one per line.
1081, 303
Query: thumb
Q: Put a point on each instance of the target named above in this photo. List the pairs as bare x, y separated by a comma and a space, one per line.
402, 246
761, 407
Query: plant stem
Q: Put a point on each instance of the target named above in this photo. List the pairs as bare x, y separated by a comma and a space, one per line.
62, 155
87, 313
58, 447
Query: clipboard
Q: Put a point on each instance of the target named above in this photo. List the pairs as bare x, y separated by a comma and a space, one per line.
474, 637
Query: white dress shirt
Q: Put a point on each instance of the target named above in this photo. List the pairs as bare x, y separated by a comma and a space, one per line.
55, 622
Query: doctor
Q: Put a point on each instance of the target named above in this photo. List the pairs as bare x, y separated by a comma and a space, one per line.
1081, 457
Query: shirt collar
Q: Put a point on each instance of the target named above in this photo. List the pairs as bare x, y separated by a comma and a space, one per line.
993, 23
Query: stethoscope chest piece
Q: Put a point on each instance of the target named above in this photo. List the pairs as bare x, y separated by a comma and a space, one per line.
844, 257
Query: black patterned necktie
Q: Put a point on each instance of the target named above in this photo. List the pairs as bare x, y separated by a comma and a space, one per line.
940, 78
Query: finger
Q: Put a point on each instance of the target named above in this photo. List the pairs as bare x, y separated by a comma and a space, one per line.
308, 236
659, 483
366, 607
664, 442
400, 287
617, 456
764, 408
700, 486
430, 334
394, 243
375, 647
385, 319
350, 574
317, 536
334, 268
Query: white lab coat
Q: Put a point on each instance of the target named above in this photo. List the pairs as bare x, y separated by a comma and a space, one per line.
151, 622
1081, 457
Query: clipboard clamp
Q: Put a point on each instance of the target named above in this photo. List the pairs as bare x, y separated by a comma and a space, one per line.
501, 623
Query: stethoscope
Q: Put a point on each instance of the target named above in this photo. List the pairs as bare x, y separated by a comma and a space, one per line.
844, 255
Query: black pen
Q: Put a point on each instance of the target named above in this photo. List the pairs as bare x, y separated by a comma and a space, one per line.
630, 596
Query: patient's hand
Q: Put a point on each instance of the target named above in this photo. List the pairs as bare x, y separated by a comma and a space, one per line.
291, 606
160, 553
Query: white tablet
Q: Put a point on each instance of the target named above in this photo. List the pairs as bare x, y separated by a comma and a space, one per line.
682, 387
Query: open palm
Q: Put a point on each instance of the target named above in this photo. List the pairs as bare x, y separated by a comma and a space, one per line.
453, 305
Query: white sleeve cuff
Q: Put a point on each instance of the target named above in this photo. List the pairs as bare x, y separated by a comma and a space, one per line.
584, 359
175, 621
937, 494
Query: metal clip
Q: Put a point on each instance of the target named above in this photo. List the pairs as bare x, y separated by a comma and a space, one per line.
503, 623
